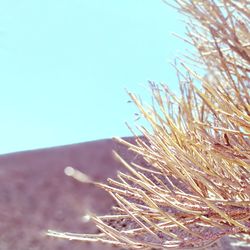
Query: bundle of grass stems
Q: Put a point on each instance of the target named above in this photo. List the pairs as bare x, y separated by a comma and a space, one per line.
195, 185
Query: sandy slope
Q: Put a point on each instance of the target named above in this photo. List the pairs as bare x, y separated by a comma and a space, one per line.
36, 195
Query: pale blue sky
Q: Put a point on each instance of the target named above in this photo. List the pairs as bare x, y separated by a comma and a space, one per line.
64, 65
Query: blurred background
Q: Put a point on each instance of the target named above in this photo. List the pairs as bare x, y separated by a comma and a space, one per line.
65, 65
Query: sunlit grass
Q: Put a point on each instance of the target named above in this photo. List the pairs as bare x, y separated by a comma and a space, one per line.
197, 186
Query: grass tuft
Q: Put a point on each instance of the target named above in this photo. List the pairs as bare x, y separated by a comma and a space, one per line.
196, 186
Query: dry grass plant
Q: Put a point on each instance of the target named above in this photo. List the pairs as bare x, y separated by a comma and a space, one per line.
196, 186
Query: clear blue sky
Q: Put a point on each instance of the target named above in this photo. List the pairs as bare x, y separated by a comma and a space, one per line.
64, 65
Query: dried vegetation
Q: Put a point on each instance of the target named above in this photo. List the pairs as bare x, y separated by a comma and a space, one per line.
196, 186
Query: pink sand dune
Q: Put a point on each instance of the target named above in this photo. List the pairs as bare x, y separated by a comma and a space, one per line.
36, 195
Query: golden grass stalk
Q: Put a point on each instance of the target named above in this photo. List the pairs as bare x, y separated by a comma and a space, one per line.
196, 186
